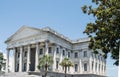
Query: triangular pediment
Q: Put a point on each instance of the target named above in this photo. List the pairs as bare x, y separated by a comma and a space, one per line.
24, 32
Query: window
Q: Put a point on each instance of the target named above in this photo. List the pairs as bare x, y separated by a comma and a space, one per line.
41, 51
76, 55
68, 54
25, 66
98, 57
57, 50
85, 67
99, 67
92, 55
18, 54
57, 62
95, 56
68, 68
92, 65
63, 52
25, 54
50, 50
85, 53
62, 67
104, 68
76, 67
96, 67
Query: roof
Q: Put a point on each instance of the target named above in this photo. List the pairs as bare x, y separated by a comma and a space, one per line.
48, 29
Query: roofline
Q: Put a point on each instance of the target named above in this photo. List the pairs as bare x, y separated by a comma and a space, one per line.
48, 29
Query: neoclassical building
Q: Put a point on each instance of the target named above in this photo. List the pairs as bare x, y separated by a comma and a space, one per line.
29, 44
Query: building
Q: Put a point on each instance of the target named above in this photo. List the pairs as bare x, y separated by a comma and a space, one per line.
29, 44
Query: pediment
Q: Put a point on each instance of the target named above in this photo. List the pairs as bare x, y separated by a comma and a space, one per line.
24, 32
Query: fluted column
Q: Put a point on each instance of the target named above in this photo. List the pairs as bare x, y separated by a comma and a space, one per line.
20, 60
28, 58
36, 56
7, 61
14, 53
46, 47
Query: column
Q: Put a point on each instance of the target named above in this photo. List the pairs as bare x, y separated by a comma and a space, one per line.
7, 61
28, 58
80, 66
90, 66
20, 60
54, 58
36, 56
14, 53
46, 47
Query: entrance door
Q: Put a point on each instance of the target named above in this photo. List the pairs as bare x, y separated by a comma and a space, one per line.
32, 59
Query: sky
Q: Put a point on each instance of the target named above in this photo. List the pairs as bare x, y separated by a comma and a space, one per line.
64, 16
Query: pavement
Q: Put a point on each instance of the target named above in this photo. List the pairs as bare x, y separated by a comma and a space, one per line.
18, 74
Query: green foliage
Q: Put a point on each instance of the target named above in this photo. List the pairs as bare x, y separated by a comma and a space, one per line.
45, 62
105, 31
66, 63
1, 60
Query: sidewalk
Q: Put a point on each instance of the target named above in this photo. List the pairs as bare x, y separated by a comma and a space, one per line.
18, 74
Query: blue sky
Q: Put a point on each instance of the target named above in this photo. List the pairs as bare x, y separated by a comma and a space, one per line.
65, 16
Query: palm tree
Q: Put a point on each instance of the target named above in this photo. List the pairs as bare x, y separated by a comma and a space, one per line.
1, 60
45, 62
66, 63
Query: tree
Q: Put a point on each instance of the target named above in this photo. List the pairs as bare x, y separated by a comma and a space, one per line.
105, 31
1, 60
65, 64
45, 62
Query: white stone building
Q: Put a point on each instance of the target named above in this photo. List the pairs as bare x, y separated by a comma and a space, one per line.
29, 44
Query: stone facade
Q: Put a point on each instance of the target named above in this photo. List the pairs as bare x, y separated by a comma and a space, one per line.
29, 44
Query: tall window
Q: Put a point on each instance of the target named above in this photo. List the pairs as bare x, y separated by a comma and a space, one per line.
57, 50
85, 67
96, 67
57, 62
68, 68
104, 68
76, 67
63, 68
68, 54
76, 55
99, 67
92, 64
25, 54
63, 52
18, 54
85, 53
41, 51
92, 54
98, 57
50, 50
